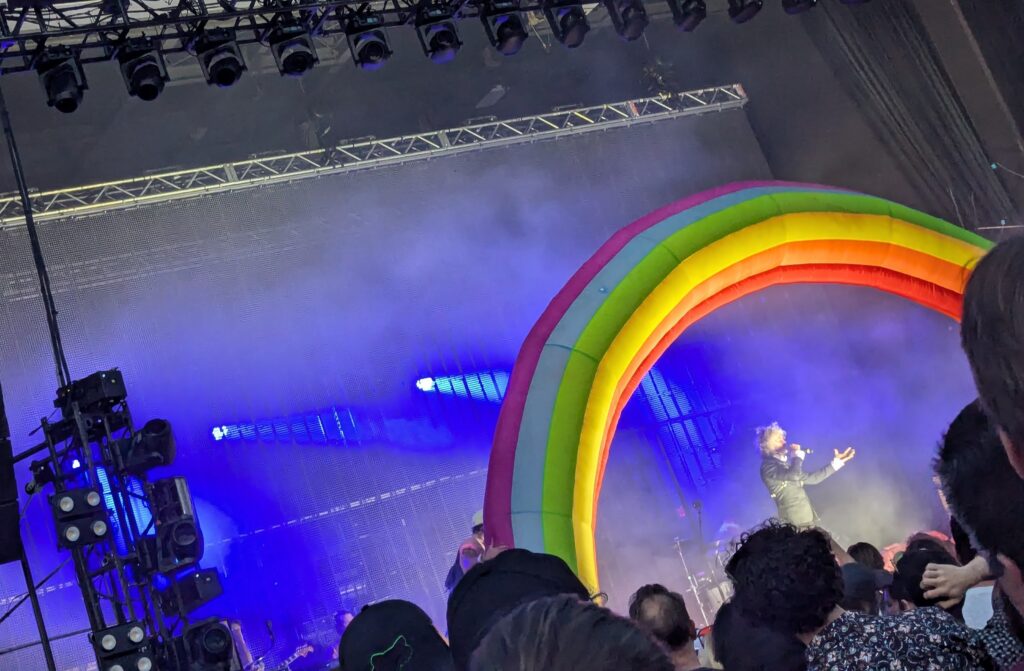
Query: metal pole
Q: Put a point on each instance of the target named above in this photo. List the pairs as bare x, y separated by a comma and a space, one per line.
44, 638
60, 362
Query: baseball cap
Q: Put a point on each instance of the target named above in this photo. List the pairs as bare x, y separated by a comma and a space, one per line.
393, 635
493, 588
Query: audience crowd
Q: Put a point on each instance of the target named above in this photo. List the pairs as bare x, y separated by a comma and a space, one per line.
800, 602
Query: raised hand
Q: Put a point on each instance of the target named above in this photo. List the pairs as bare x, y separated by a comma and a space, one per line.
846, 455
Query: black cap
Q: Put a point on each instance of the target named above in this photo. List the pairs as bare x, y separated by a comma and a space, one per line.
491, 589
393, 635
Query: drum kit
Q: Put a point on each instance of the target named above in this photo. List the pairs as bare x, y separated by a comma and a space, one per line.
704, 567
704, 564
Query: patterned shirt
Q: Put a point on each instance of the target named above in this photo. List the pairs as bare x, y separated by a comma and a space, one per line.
925, 639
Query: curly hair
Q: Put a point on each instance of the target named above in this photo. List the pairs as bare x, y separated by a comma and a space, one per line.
785, 577
763, 434
563, 633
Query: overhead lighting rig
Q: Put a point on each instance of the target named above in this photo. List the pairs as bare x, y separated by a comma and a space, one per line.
568, 21
439, 37
201, 27
142, 67
367, 40
504, 26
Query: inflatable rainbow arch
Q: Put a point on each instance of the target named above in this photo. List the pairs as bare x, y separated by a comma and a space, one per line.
603, 331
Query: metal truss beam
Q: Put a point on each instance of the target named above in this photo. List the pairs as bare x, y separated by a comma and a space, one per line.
365, 154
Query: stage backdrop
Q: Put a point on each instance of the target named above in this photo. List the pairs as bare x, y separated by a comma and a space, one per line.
332, 354
252, 320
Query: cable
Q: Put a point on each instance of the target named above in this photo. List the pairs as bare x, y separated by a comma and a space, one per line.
997, 165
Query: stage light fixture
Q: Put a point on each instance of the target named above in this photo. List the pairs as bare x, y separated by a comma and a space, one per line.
143, 68
438, 34
368, 41
504, 26
798, 6
741, 11
219, 57
178, 542
62, 78
210, 646
629, 18
150, 447
293, 49
97, 393
688, 14
124, 647
568, 21
80, 517
189, 591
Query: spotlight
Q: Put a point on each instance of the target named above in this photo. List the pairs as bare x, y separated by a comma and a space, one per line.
143, 69
210, 646
568, 21
62, 78
438, 36
178, 542
190, 591
741, 11
368, 41
219, 57
798, 6
124, 647
504, 26
98, 393
688, 14
80, 517
293, 49
152, 446
628, 17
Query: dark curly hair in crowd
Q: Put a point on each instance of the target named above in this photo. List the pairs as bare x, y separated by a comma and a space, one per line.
563, 633
786, 578
741, 645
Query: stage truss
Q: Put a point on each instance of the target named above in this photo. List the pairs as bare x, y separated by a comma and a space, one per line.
364, 154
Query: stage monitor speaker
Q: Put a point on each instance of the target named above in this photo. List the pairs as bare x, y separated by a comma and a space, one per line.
10, 531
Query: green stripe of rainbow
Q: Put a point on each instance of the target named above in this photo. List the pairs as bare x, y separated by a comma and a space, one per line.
608, 325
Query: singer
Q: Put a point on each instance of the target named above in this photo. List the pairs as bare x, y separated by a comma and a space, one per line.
783, 474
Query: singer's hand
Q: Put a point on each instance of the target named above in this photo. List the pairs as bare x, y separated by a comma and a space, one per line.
846, 455
795, 447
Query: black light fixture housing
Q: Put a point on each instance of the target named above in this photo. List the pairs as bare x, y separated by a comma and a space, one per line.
190, 591
741, 11
178, 542
210, 646
629, 18
80, 517
219, 57
368, 41
293, 49
688, 14
568, 21
62, 78
143, 68
438, 35
504, 26
123, 647
798, 6
151, 446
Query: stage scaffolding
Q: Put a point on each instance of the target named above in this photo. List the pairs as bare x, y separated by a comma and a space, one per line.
364, 154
